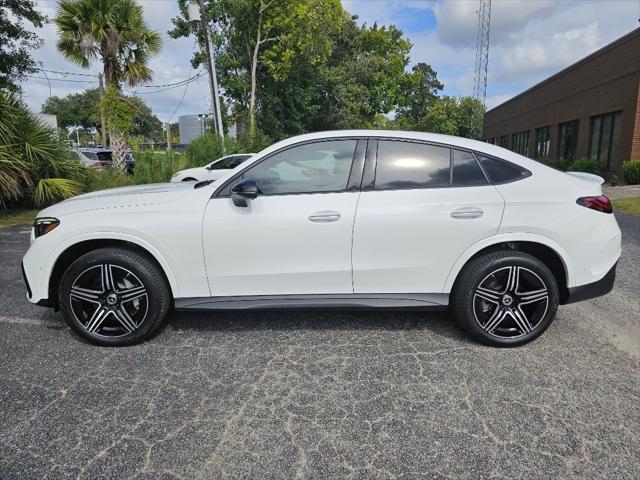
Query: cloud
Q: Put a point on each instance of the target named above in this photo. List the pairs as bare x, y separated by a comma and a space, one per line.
530, 40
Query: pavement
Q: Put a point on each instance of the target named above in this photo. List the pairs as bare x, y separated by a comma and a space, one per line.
621, 191
318, 394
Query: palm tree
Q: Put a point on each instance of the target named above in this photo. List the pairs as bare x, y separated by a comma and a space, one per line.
111, 30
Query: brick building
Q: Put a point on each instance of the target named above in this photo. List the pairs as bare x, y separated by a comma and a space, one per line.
590, 109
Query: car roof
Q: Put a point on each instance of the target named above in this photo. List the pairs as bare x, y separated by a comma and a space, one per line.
448, 140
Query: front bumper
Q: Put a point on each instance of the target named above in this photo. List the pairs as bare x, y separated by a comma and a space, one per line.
593, 290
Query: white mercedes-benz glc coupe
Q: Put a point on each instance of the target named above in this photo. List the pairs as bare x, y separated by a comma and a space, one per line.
345, 219
215, 170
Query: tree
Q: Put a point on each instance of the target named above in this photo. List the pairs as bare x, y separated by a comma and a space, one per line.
81, 110
260, 39
16, 42
418, 93
454, 116
113, 31
118, 112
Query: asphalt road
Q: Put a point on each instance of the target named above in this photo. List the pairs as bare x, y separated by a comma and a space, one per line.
297, 394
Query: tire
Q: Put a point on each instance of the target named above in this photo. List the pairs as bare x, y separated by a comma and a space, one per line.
114, 297
505, 298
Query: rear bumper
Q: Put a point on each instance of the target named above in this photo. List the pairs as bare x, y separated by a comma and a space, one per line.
593, 290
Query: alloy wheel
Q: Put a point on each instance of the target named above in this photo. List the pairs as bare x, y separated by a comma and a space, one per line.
510, 302
109, 300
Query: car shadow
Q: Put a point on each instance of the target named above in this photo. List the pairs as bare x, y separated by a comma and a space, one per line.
438, 323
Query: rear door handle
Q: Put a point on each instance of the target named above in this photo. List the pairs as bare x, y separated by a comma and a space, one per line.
467, 212
324, 216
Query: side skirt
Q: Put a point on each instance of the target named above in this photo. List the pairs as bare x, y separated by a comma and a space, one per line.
428, 301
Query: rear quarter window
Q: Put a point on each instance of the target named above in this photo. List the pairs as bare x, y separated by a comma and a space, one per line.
502, 171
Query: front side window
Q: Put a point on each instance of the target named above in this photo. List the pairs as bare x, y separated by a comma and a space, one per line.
501, 171
604, 138
466, 171
543, 141
568, 140
310, 168
411, 165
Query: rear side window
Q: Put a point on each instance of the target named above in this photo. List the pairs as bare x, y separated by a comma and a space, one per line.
466, 171
501, 171
411, 165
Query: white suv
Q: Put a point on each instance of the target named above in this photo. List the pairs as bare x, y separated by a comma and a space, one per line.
336, 219
213, 171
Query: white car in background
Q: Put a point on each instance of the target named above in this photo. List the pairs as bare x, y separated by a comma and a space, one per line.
213, 171
345, 219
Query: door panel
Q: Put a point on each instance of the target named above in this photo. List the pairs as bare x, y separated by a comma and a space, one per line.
405, 241
289, 244
295, 237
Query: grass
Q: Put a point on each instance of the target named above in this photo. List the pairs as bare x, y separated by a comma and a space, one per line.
628, 205
16, 217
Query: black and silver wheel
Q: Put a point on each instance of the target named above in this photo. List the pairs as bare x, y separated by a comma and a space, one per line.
113, 296
505, 298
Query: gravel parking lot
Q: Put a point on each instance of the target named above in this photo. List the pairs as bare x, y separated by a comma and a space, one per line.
321, 394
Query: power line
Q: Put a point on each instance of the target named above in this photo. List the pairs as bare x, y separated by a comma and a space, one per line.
186, 87
184, 82
70, 73
60, 79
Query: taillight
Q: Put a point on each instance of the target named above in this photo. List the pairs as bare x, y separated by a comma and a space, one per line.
600, 203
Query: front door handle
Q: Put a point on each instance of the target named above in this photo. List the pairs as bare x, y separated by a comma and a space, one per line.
324, 217
467, 212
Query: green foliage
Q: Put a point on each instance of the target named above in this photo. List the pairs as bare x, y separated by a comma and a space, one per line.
556, 163
113, 31
631, 171
585, 165
420, 90
118, 110
18, 42
50, 190
461, 116
614, 180
103, 179
35, 164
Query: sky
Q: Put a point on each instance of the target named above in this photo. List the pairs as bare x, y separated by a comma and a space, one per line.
529, 41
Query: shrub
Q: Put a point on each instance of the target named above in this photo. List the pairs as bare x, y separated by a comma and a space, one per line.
631, 172
614, 180
36, 166
554, 163
586, 165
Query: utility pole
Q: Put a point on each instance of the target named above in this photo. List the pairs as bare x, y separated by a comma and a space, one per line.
211, 67
168, 136
103, 127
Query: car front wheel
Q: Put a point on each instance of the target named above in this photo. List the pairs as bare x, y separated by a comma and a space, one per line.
114, 296
505, 298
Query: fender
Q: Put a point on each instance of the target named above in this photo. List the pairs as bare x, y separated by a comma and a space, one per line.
509, 237
98, 235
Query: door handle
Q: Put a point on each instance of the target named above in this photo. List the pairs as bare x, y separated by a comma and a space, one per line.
467, 212
324, 217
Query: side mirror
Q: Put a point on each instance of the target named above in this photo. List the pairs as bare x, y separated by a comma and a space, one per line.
245, 189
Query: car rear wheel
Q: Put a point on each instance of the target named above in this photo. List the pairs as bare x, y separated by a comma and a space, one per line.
114, 296
505, 298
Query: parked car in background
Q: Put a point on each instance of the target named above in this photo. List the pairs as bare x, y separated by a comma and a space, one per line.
95, 157
213, 171
344, 219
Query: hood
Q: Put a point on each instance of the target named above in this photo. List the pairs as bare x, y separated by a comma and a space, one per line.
120, 197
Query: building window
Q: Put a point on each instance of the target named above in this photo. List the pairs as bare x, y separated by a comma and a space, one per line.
520, 142
504, 141
568, 140
604, 138
543, 141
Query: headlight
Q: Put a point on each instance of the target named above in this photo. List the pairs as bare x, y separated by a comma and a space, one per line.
44, 225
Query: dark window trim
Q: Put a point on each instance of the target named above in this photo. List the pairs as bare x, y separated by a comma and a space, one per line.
575, 123
224, 190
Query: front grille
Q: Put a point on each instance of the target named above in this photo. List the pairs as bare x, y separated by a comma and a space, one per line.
26, 282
